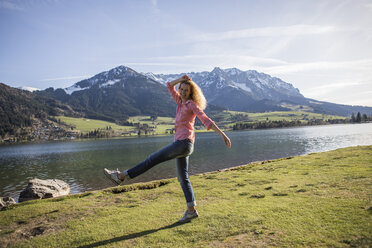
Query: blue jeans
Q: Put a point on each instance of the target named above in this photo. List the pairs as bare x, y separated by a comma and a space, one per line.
180, 150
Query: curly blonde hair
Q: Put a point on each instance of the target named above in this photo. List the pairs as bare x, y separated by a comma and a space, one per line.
196, 93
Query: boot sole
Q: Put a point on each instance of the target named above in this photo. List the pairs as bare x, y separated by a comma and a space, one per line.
109, 177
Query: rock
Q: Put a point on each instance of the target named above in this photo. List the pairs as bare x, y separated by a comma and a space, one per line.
41, 189
6, 201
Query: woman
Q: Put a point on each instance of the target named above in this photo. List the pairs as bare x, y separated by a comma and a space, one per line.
190, 103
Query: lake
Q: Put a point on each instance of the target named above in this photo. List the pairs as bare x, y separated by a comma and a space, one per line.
81, 163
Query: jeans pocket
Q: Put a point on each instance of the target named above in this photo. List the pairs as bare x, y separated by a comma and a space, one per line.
185, 148
189, 148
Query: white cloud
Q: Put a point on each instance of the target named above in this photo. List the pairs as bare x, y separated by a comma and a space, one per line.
187, 63
64, 78
368, 6
212, 59
349, 90
293, 30
154, 3
330, 87
360, 65
10, 5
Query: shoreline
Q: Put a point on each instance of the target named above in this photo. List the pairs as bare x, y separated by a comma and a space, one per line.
155, 181
13, 188
163, 135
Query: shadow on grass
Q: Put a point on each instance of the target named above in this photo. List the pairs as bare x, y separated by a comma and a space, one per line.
131, 236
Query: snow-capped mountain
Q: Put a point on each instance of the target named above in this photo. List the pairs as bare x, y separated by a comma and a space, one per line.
217, 85
107, 78
259, 85
239, 90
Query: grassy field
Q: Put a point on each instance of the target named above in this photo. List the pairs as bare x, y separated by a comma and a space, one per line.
161, 123
87, 125
226, 119
229, 118
317, 200
290, 116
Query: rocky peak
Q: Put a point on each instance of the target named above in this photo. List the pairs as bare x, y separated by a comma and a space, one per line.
217, 71
105, 78
233, 71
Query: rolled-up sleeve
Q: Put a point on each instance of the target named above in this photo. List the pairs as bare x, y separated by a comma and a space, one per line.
175, 95
207, 122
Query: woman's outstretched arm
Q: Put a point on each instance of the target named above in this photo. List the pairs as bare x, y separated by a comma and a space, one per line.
226, 139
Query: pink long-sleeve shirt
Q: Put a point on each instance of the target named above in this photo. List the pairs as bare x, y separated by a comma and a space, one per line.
185, 116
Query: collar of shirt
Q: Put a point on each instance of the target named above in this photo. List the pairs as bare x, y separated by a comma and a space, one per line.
183, 103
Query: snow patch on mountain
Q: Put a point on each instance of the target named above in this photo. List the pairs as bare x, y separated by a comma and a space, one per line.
242, 86
27, 88
152, 76
73, 88
104, 79
110, 82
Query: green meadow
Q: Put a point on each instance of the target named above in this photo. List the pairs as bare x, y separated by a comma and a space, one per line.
315, 200
161, 124
290, 116
229, 118
87, 125
226, 119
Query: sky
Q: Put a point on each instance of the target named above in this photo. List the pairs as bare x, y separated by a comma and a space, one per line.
321, 47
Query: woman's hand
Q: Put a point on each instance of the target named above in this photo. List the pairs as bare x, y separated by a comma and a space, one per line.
185, 78
226, 140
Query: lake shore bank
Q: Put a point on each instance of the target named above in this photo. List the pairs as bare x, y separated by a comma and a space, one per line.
67, 128
320, 199
134, 136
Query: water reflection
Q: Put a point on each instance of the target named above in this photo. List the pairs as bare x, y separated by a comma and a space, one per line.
80, 163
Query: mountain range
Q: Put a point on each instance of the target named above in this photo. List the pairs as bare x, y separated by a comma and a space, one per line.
122, 92
234, 89
116, 94
252, 91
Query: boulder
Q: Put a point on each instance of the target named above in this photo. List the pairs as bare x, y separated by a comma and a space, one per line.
6, 201
41, 189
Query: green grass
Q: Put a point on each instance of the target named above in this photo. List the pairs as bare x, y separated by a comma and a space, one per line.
229, 118
161, 123
87, 125
291, 116
317, 200
286, 116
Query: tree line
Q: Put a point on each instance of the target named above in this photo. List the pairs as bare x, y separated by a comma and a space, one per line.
360, 118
